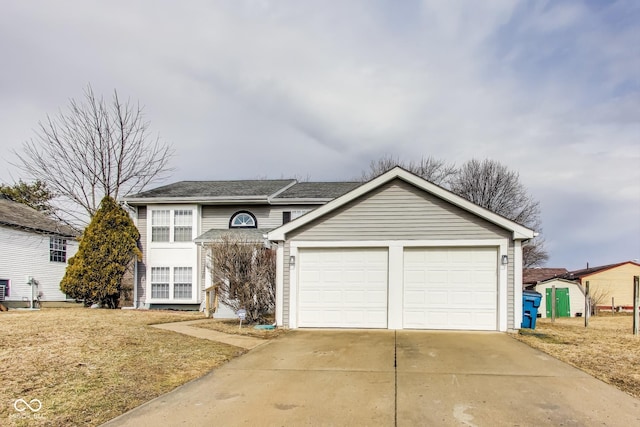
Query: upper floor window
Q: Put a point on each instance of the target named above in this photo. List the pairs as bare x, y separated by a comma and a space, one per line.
182, 224
57, 249
160, 225
243, 220
172, 225
288, 216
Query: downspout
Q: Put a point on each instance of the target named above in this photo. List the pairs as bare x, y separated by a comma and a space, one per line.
134, 209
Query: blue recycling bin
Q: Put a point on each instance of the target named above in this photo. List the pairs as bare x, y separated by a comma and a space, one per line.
530, 303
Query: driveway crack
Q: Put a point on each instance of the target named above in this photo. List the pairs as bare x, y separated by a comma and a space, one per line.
395, 368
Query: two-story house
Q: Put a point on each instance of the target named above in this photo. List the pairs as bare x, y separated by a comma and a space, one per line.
396, 252
177, 221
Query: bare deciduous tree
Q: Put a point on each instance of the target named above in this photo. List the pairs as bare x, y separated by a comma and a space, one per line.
246, 274
534, 253
598, 296
94, 149
493, 186
486, 183
429, 168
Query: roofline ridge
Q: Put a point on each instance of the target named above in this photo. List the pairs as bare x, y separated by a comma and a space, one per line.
283, 189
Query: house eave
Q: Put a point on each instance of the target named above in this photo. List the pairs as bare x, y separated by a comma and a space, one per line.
227, 200
300, 201
38, 230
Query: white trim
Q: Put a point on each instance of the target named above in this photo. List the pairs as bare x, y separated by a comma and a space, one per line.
293, 289
517, 285
396, 272
519, 232
395, 283
503, 286
280, 284
401, 243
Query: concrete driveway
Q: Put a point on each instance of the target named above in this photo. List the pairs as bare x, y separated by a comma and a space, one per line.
386, 378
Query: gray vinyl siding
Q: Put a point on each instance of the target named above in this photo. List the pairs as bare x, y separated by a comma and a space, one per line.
200, 285
399, 210
142, 265
268, 217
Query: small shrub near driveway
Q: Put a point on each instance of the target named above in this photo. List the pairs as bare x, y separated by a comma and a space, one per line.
88, 366
607, 349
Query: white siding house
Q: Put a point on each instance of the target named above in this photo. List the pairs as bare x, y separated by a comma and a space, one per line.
36, 249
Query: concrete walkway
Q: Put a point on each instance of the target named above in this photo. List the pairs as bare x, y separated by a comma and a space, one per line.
388, 378
186, 328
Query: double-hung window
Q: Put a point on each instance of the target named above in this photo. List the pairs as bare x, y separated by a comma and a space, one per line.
57, 249
160, 282
163, 287
171, 225
182, 283
160, 225
182, 225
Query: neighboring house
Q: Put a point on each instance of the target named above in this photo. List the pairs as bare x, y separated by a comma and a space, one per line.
35, 250
607, 282
399, 252
178, 221
533, 276
569, 297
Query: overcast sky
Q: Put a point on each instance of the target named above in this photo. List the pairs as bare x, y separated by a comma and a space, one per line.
318, 89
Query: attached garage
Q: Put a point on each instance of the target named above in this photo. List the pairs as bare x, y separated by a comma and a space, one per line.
450, 288
400, 253
343, 288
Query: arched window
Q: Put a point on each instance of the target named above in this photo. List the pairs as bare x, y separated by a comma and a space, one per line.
243, 219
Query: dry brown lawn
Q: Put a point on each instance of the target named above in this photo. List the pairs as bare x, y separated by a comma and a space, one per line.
607, 349
233, 327
88, 366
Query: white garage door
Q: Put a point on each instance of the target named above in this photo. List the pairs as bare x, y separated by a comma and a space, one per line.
342, 288
450, 288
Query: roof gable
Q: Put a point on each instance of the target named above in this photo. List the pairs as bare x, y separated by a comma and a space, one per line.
519, 231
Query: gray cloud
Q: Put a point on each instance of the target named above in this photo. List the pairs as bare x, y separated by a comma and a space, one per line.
248, 89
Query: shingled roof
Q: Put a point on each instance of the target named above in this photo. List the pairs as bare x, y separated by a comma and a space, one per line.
250, 191
317, 190
216, 189
577, 274
20, 216
531, 276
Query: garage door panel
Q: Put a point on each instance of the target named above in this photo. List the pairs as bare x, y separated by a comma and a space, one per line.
343, 288
450, 288
484, 299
